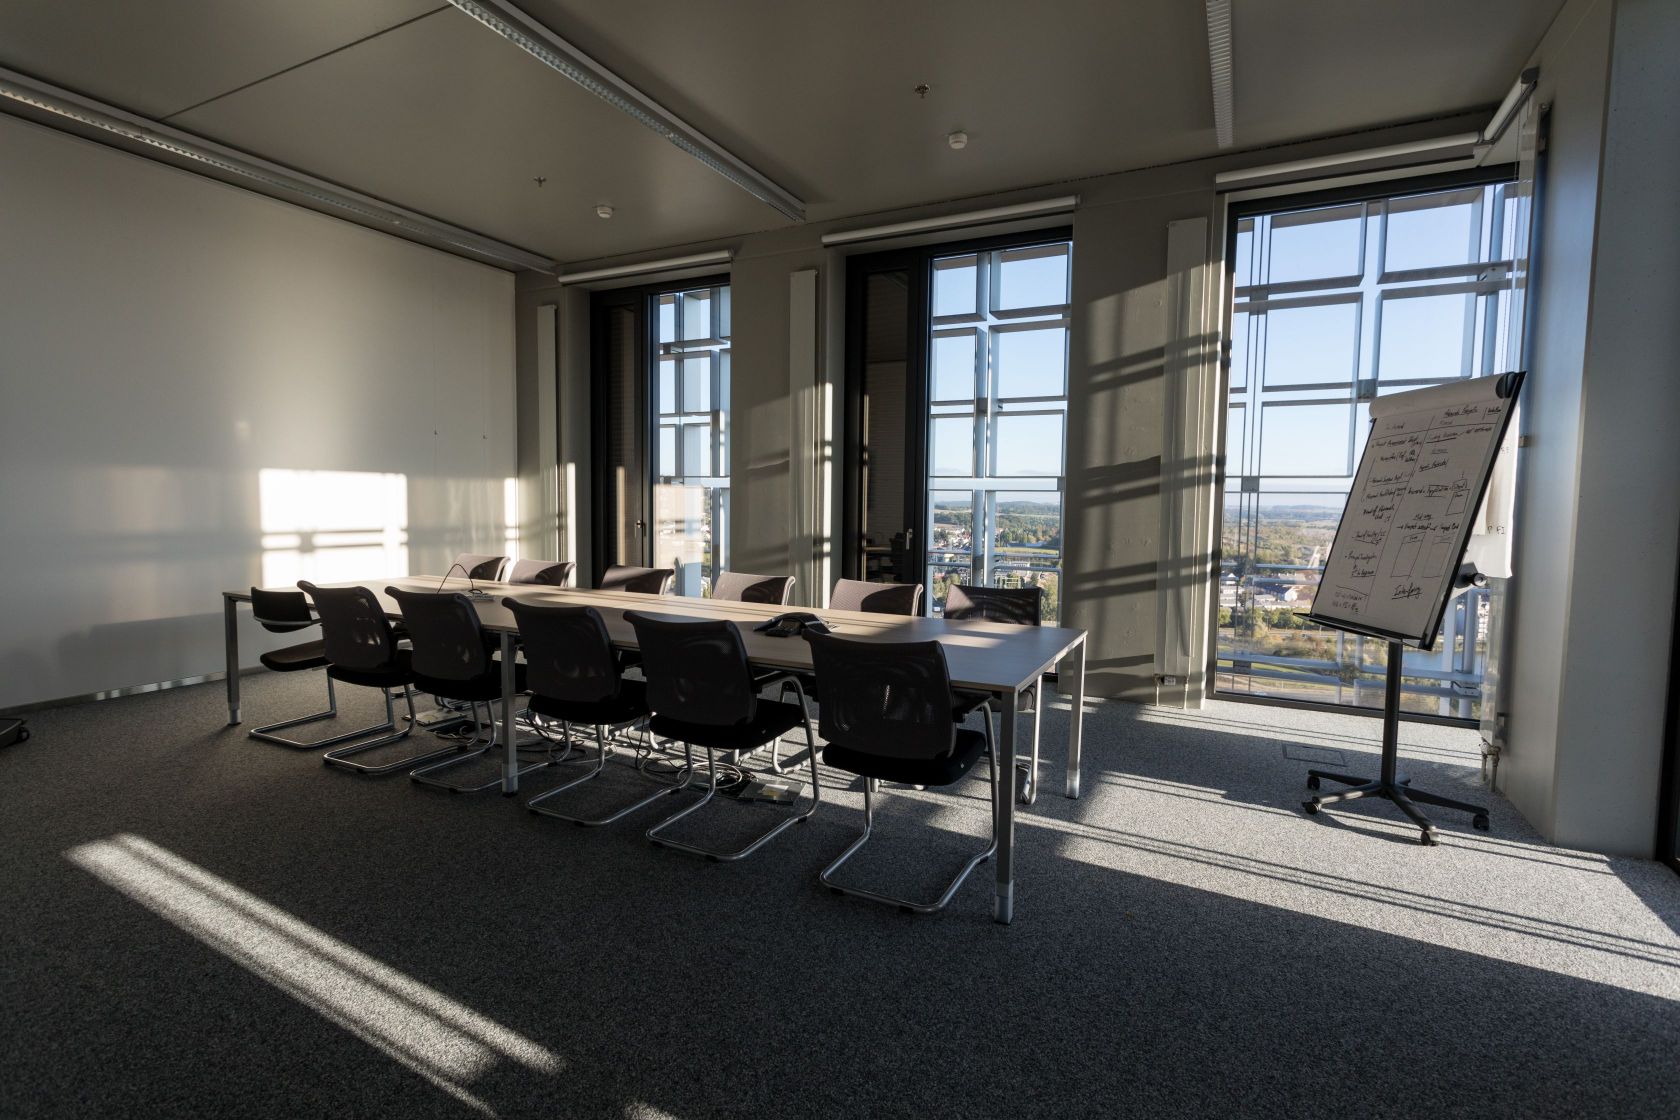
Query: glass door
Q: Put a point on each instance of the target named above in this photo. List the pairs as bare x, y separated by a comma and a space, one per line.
997, 419
689, 467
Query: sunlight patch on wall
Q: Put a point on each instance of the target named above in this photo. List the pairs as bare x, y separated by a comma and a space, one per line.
332, 526
510, 518
448, 1044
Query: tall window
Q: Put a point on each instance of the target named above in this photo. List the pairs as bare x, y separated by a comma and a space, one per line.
1333, 306
690, 454
997, 375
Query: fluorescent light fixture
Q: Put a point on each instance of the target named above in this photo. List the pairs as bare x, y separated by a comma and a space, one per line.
669, 264
551, 50
1507, 111
1392, 156
1061, 205
1219, 63
63, 109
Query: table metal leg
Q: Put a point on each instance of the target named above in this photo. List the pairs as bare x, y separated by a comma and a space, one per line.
1076, 720
1028, 770
230, 626
510, 738
1003, 803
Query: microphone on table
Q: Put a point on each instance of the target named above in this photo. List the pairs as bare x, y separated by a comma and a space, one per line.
472, 588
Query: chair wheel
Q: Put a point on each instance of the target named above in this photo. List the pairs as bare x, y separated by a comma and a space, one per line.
1310, 806
1427, 838
1479, 821
835, 890
711, 859
1312, 781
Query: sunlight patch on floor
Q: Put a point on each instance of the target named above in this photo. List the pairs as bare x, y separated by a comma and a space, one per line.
448, 1044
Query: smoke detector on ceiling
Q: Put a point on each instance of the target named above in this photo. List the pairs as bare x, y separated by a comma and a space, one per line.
958, 140
603, 211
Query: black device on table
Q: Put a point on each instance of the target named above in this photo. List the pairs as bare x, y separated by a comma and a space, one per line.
792, 624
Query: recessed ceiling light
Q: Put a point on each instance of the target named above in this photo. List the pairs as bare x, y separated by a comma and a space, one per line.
958, 140
603, 211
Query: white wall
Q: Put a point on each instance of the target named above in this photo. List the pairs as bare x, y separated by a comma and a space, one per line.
1598, 526
184, 367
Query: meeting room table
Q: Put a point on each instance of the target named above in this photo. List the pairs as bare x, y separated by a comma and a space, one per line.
997, 658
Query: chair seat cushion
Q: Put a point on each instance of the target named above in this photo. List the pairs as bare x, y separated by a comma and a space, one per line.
773, 720
309, 655
474, 689
398, 673
940, 770
630, 704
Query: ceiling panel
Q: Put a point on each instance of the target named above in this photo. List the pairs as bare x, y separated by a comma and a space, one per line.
820, 96
156, 57
444, 117
1310, 67
441, 115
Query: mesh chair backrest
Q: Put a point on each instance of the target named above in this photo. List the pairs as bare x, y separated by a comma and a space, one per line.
643, 581
696, 670
281, 611
1023, 606
568, 653
891, 699
876, 598
739, 587
447, 636
481, 567
353, 626
550, 573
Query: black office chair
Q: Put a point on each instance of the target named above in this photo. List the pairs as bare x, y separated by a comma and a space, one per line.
739, 587
703, 693
479, 567
876, 598
574, 678
362, 649
1018, 606
549, 573
453, 658
888, 714
870, 598
287, 612
642, 581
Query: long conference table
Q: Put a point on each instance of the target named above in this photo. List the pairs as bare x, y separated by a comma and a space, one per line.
1001, 659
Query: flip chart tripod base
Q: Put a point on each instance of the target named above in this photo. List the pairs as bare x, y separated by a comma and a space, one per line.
1391, 785
1400, 792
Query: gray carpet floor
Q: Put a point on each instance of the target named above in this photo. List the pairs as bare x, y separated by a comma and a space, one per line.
196, 924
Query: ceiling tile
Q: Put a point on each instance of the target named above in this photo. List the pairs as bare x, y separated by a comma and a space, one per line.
157, 57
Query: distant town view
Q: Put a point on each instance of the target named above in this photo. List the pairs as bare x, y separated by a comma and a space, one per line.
1268, 644
1026, 547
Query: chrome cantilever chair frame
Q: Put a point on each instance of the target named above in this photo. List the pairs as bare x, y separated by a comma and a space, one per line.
343, 755
262, 600
677, 786
451, 657
267, 732
869, 823
464, 753
711, 791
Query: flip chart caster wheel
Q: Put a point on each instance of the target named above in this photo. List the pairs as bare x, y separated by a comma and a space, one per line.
1479, 821
1312, 781
1310, 806
1427, 838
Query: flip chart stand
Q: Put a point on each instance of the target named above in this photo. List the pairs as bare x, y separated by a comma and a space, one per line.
1391, 785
